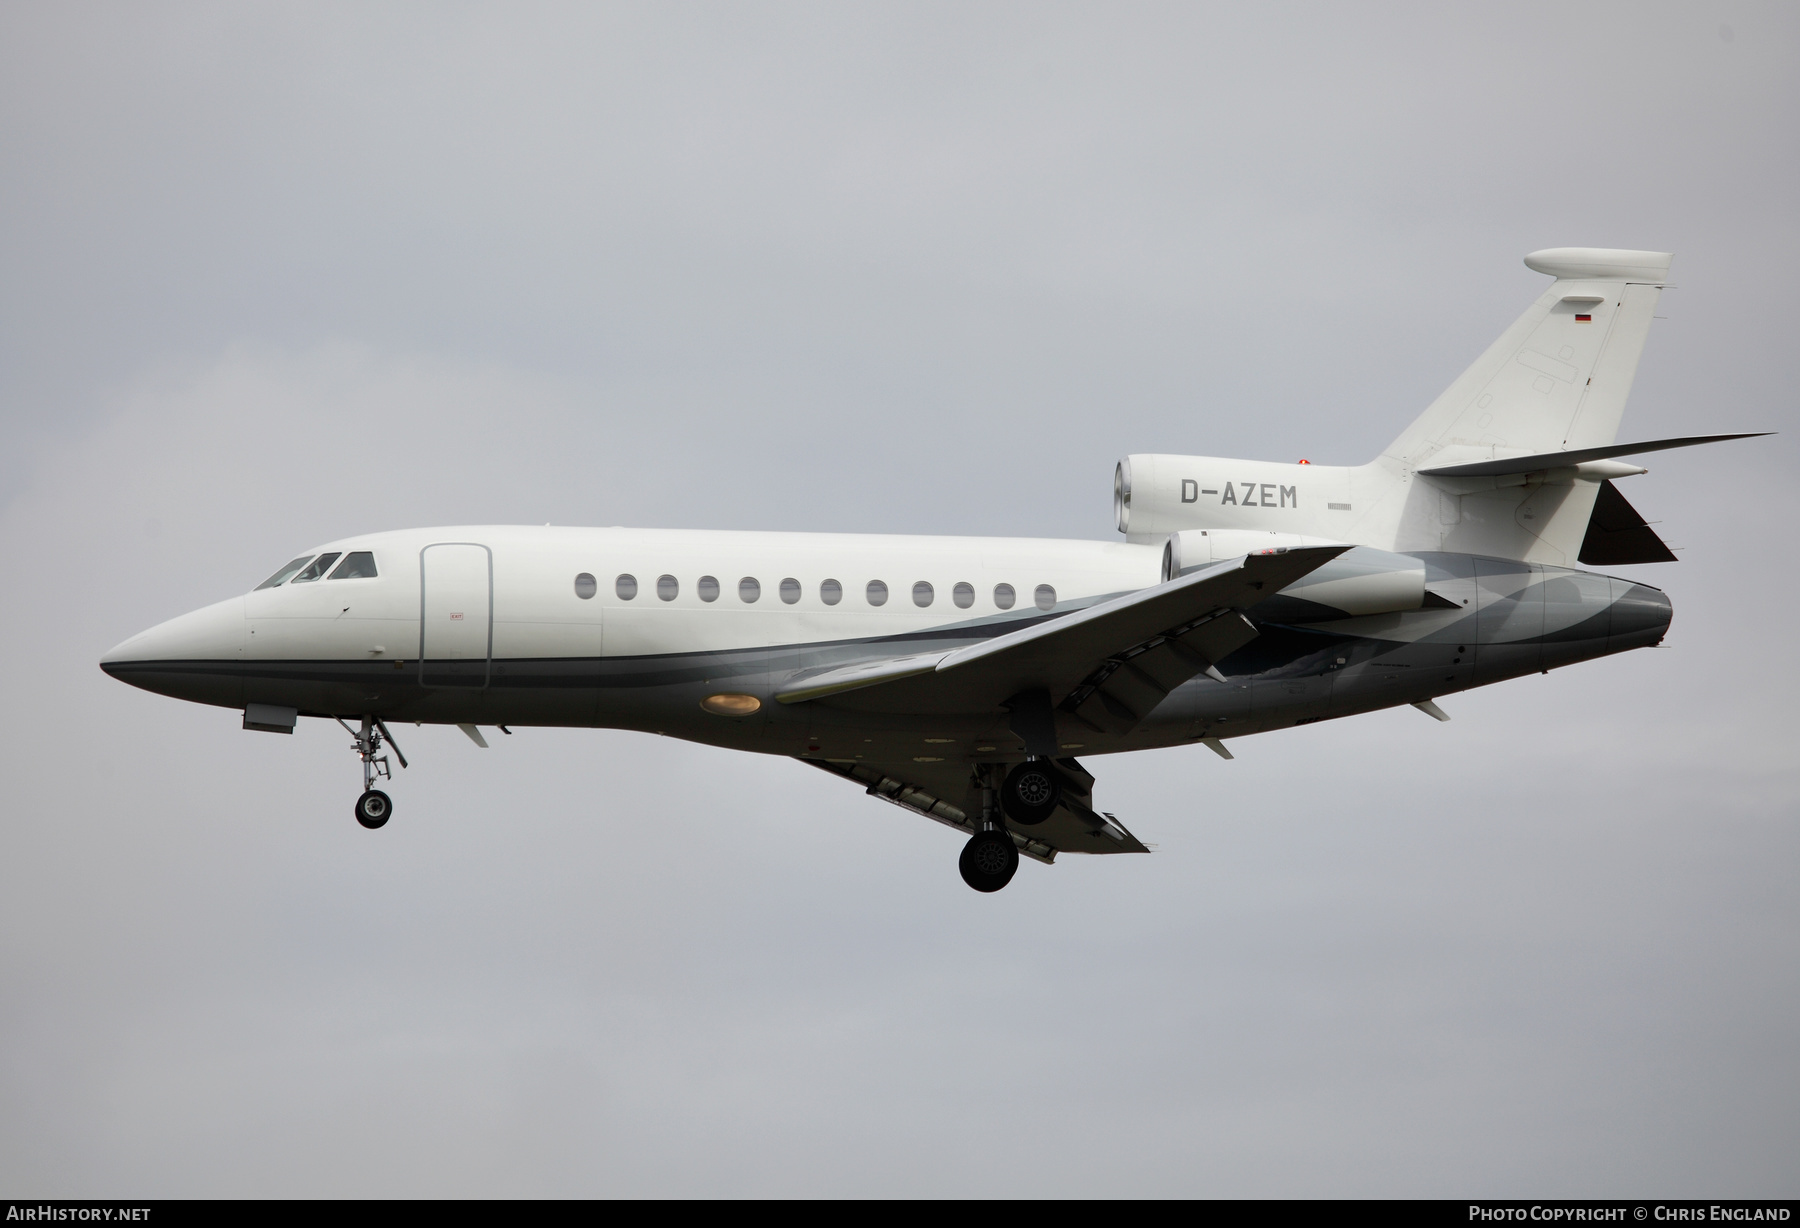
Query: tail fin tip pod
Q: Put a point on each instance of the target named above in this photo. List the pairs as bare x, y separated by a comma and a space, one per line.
1600, 263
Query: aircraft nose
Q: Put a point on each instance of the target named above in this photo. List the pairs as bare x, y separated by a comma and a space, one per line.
194, 656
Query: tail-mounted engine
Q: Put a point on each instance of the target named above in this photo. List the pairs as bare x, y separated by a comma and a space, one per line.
1359, 581
1155, 495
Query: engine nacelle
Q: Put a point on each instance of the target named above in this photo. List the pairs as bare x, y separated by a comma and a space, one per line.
1360, 581
1155, 495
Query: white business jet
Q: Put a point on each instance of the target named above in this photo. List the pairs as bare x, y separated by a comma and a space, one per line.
965, 679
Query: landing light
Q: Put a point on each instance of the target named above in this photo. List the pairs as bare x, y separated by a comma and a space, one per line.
731, 704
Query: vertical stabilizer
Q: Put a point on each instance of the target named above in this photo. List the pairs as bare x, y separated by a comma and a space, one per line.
1556, 379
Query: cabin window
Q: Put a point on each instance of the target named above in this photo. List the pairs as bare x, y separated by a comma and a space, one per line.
749, 590
922, 594
285, 574
625, 586
790, 590
1045, 596
1004, 596
963, 595
877, 592
357, 565
586, 586
831, 592
668, 588
708, 588
319, 567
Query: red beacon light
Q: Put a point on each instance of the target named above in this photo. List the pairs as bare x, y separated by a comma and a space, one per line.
1306, 462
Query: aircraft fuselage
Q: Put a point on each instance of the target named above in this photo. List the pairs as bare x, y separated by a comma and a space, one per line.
490, 626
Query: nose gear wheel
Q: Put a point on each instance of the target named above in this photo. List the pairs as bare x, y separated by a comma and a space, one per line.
374, 807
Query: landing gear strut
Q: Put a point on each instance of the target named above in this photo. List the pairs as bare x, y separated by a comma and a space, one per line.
990, 858
374, 807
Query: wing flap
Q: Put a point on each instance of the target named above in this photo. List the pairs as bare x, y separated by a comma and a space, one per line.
1126, 688
1098, 830
944, 793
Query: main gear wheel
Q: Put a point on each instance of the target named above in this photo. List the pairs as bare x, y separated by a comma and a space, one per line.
989, 860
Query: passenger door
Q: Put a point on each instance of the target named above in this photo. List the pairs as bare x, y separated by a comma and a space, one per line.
456, 614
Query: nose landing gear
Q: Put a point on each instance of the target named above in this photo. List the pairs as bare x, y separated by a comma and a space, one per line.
374, 807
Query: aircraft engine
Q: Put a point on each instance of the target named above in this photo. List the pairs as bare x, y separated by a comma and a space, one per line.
1155, 495
1360, 581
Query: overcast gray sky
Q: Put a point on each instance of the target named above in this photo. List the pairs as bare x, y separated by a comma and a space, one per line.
273, 274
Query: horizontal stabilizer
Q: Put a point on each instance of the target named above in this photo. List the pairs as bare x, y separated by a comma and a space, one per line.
1617, 535
1559, 460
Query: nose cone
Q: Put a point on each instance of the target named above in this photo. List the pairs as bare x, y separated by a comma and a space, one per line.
196, 656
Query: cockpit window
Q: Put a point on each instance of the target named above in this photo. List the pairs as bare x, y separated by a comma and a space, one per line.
286, 573
319, 567
358, 565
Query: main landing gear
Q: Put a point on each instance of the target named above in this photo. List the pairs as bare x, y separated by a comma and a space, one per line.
1028, 794
374, 807
990, 858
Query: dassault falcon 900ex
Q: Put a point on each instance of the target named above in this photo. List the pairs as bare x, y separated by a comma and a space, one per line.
959, 677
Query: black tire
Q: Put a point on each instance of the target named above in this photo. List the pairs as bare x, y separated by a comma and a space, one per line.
989, 860
1030, 792
374, 808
